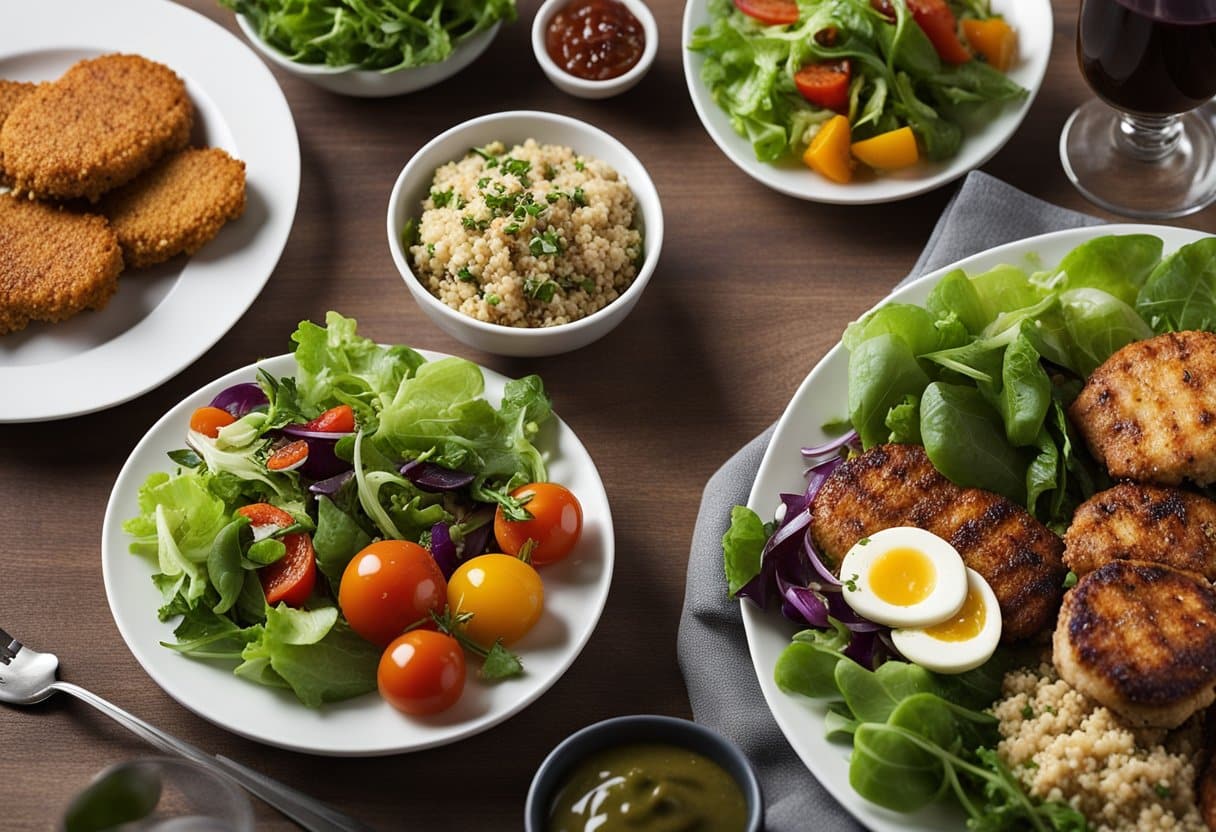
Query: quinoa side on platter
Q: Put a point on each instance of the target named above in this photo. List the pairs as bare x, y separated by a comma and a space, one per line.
532, 236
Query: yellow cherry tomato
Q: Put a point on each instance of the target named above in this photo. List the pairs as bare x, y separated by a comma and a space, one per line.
504, 594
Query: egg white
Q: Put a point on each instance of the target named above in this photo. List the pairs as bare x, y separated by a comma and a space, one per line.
955, 656
946, 598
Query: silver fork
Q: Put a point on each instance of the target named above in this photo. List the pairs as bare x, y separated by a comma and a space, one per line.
28, 677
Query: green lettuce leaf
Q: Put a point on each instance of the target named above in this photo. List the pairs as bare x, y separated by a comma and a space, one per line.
742, 546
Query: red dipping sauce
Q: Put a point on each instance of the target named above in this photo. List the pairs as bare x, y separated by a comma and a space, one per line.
595, 39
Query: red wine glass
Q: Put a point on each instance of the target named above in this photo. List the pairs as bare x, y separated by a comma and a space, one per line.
1146, 147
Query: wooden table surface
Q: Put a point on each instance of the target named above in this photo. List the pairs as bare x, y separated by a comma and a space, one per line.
752, 289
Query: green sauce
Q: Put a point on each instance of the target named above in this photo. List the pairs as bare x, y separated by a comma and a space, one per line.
649, 788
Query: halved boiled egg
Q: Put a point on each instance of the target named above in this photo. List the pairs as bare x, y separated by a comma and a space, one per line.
962, 642
904, 577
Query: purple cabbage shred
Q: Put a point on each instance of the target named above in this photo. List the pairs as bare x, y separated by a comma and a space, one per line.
443, 550
434, 478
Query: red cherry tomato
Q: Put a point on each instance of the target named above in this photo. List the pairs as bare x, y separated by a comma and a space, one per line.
291, 577
340, 419
557, 522
937, 22
770, 12
826, 84
505, 595
209, 420
421, 672
388, 586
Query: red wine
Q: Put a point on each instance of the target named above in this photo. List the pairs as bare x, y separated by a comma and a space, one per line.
1152, 57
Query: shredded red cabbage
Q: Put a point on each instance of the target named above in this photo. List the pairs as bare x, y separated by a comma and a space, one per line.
330, 487
476, 540
443, 550
239, 399
435, 478
816, 453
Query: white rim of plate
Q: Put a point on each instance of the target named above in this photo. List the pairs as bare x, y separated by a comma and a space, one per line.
976, 150
215, 286
828, 762
328, 730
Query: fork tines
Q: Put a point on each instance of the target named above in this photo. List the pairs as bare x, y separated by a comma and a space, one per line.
9, 647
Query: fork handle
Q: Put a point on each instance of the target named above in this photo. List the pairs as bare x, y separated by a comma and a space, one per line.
308, 812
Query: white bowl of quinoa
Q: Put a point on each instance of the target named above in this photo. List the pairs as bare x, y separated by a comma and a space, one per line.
525, 233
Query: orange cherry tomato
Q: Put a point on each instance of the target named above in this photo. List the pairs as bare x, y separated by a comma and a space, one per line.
291, 577
288, 457
421, 672
208, 420
505, 595
770, 12
388, 586
264, 514
340, 419
557, 522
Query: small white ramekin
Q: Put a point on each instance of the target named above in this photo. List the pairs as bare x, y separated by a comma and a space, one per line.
581, 87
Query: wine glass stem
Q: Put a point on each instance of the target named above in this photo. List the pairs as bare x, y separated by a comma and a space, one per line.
1148, 138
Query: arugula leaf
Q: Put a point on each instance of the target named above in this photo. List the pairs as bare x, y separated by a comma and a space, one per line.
500, 663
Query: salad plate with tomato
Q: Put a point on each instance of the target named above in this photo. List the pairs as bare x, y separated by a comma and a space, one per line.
863, 101
358, 549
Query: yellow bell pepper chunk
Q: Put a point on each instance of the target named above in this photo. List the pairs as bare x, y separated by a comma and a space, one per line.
994, 39
888, 151
828, 152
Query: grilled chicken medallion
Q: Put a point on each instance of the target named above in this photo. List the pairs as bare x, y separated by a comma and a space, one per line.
1143, 522
1149, 412
1140, 638
897, 485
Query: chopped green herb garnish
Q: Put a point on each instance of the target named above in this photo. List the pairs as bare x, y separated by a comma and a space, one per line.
578, 164
516, 167
588, 285
1163, 791
466, 276
442, 199
579, 197
1030, 764
482, 182
550, 171
541, 289
1027, 712
471, 223
409, 233
493, 299
491, 159
851, 583
546, 243
865, 541
1070, 580
430, 249
553, 196
511, 227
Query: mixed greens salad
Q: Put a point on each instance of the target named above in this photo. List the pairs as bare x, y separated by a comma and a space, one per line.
394, 447
884, 65
981, 375
370, 34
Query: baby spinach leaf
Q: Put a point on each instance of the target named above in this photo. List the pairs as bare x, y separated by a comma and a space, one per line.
1118, 264
224, 565
1025, 392
338, 539
882, 370
1180, 294
890, 768
1099, 324
903, 421
965, 440
742, 546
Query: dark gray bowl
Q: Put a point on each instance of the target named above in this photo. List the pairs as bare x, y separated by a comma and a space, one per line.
629, 729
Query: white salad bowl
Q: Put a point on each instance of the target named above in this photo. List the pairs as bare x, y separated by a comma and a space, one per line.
1033, 21
582, 87
372, 83
510, 128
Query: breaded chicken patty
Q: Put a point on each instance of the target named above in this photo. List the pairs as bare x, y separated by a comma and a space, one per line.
53, 263
1153, 523
1140, 638
11, 92
1149, 412
97, 127
897, 485
177, 206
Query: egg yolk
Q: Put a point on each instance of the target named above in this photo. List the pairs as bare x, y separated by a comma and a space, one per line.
902, 576
967, 624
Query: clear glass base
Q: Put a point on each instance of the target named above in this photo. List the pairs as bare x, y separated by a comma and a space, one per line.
1154, 168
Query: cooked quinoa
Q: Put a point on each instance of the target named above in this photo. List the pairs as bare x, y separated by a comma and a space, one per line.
532, 237
1065, 747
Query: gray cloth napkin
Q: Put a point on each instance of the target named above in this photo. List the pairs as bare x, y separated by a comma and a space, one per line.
714, 659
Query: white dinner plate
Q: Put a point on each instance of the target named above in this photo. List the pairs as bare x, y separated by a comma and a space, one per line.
164, 317
1033, 21
575, 592
821, 398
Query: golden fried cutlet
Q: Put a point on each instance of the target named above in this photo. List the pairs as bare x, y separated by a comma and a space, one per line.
177, 206
1143, 522
11, 92
97, 127
53, 263
1140, 638
897, 485
1149, 412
